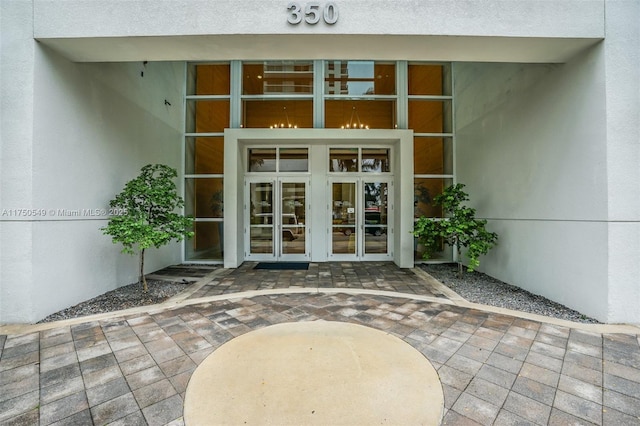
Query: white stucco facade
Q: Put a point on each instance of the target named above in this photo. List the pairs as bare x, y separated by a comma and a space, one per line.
547, 125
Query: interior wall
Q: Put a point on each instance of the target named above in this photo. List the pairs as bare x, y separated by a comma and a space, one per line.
531, 149
94, 127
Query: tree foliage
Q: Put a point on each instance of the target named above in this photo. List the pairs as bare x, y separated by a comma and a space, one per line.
148, 204
459, 229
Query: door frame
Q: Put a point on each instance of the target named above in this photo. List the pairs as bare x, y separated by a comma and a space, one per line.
235, 165
360, 218
279, 232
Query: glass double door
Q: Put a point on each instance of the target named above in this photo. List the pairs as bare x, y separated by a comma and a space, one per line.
361, 214
276, 219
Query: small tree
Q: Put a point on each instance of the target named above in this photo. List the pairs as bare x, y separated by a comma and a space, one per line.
148, 218
458, 229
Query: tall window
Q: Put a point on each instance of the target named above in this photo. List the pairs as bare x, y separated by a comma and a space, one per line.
430, 116
360, 95
343, 94
277, 94
208, 101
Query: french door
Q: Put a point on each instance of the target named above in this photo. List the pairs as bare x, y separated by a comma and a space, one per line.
361, 212
276, 212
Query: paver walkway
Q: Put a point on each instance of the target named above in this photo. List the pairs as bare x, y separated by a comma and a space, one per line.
496, 369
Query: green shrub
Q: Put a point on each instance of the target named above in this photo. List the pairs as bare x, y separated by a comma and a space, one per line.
148, 205
458, 229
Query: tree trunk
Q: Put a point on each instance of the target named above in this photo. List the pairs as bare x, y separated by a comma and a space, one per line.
141, 277
459, 261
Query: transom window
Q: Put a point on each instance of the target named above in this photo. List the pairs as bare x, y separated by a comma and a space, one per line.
356, 159
274, 159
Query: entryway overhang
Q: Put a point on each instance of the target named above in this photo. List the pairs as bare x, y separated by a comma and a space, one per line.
459, 48
235, 167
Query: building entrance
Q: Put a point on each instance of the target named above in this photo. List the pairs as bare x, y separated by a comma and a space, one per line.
361, 210
276, 226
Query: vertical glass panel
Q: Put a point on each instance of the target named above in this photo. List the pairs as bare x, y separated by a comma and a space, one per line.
265, 114
262, 160
428, 79
424, 189
209, 79
375, 160
277, 77
376, 241
375, 217
207, 116
204, 155
430, 116
343, 203
261, 208
343, 159
445, 252
349, 114
294, 160
360, 78
432, 156
261, 217
204, 197
261, 240
207, 243
293, 217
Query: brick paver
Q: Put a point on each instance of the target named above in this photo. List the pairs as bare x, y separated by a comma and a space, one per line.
495, 369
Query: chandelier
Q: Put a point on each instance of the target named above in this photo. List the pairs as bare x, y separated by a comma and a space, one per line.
282, 125
357, 124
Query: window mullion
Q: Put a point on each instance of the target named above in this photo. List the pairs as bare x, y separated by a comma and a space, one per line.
318, 94
235, 115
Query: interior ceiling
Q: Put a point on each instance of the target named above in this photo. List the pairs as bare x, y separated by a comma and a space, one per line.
374, 47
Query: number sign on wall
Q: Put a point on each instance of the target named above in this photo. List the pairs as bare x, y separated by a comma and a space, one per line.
311, 12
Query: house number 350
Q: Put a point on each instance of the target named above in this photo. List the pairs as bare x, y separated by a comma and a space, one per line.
312, 13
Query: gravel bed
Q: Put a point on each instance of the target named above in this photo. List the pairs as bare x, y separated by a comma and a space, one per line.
474, 286
129, 296
477, 287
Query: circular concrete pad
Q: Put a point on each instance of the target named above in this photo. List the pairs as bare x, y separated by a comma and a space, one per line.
325, 373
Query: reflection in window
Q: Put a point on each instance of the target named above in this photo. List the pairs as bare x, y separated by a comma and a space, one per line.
343, 160
277, 77
424, 190
207, 242
204, 197
262, 160
261, 207
294, 160
375, 160
360, 78
273, 159
204, 155
445, 252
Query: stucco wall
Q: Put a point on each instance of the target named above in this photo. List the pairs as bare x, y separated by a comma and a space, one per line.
90, 130
16, 131
531, 148
86, 18
447, 30
622, 77
550, 154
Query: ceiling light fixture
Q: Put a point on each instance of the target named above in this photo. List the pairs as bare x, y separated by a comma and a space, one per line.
282, 125
355, 124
